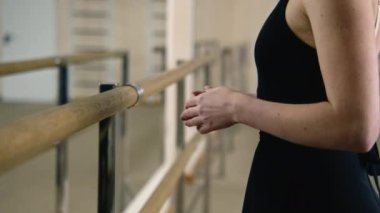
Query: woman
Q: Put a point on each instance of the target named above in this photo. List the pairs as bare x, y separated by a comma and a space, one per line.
317, 107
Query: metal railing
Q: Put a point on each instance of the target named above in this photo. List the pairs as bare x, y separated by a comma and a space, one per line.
41, 131
63, 63
56, 61
50, 127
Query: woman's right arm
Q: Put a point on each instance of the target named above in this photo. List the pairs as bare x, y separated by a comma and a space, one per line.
344, 36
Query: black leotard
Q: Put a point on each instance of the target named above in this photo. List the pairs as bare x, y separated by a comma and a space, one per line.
286, 177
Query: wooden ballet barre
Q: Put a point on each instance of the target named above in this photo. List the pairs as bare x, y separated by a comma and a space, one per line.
194, 165
83, 58
160, 81
25, 138
169, 182
23, 66
29, 65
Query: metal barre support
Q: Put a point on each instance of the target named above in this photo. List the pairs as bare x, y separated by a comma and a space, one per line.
126, 189
62, 180
180, 200
222, 141
180, 196
125, 68
106, 173
208, 152
124, 80
123, 115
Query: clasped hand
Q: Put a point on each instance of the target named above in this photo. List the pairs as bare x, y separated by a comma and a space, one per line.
210, 109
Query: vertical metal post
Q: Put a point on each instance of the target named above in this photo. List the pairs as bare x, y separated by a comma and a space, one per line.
122, 163
180, 143
62, 182
222, 155
208, 152
163, 59
221, 141
224, 67
180, 205
125, 65
241, 64
163, 68
124, 80
227, 57
106, 175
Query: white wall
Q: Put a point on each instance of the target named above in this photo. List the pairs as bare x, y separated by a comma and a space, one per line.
31, 23
230, 22
132, 33
233, 23
214, 19
248, 18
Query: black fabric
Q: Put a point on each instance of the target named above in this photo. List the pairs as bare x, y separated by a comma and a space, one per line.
286, 177
371, 161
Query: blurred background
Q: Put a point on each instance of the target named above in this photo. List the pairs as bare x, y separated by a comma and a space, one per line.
33, 29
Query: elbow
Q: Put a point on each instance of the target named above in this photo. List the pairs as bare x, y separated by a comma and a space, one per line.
367, 142
364, 145
364, 134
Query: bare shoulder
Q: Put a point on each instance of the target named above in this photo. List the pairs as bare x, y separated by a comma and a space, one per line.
340, 9
300, 12
340, 19
338, 4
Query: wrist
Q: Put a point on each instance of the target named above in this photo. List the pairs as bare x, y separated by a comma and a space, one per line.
236, 107
243, 104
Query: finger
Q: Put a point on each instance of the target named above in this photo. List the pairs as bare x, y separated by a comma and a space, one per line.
196, 121
191, 103
198, 92
189, 113
203, 129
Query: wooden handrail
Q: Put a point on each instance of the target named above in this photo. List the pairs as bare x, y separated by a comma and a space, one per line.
169, 182
193, 166
29, 65
34, 134
158, 82
83, 58
17, 67
31, 135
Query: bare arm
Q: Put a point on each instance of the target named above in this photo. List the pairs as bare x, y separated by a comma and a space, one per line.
349, 120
